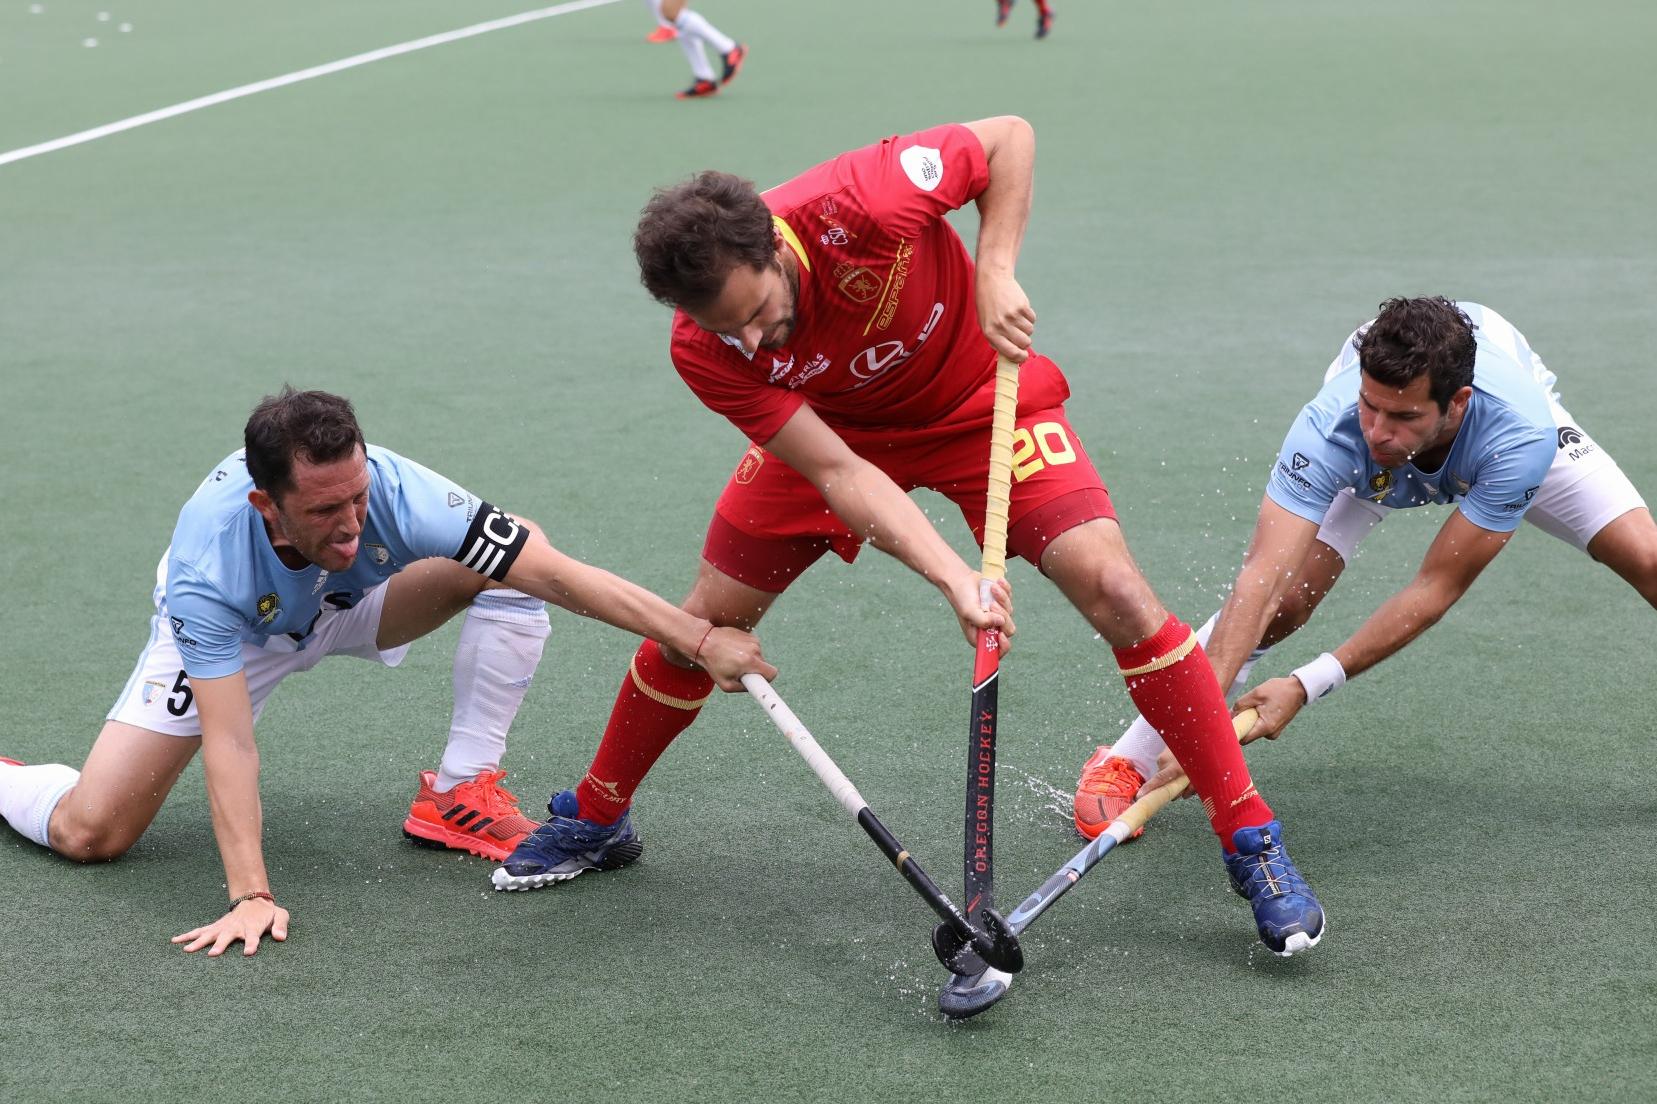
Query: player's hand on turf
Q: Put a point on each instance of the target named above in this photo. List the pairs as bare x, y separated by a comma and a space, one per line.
1277, 700
246, 922
1005, 314
728, 654
967, 598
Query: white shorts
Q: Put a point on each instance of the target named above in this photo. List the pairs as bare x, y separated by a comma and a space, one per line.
1583, 492
158, 695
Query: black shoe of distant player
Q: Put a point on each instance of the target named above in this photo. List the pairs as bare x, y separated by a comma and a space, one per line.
1044, 23
698, 90
733, 62
1002, 7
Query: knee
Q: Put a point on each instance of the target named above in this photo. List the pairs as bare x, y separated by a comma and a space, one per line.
89, 843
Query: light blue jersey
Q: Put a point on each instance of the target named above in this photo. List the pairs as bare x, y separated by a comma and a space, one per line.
1497, 462
222, 583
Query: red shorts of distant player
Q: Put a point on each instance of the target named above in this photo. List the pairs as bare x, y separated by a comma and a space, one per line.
771, 524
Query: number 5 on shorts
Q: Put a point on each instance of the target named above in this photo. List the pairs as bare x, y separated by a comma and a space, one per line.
1047, 438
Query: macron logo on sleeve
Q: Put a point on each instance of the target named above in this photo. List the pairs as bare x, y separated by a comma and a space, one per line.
924, 166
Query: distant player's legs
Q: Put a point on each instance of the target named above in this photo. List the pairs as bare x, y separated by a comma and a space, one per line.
462, 805
695, 35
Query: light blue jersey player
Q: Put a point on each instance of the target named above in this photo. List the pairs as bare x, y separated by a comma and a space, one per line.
1432, 402
308, 543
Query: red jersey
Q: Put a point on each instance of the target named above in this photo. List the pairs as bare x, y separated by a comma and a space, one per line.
886, 328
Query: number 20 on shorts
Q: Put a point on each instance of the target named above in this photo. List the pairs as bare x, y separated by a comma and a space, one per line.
1035, 448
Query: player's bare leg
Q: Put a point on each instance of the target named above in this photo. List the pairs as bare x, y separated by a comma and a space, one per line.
1628, 546
126, 777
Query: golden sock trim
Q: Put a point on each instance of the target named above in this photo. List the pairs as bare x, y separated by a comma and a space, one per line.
1167, 659
668, 700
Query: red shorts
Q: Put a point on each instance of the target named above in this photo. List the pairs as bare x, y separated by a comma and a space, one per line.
771, 524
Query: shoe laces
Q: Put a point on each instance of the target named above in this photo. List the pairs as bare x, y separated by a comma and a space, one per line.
1114, 777
1272, 868
494, 797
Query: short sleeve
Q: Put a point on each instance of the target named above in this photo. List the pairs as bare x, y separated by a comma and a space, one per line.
434, 516
909, 181
1309, 472
1503, 491
207, 630
757, 410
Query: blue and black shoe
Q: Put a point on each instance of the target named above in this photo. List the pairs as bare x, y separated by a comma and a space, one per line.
566, 846
1285, 911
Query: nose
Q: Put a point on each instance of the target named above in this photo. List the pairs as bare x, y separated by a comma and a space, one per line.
750, 338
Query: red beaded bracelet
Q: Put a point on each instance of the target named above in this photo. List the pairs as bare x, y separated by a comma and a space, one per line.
257, 894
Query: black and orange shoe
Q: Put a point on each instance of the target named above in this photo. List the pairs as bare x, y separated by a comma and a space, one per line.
479, 817
1002, 7
733, 62
1109, 784
698, 90
1044, 23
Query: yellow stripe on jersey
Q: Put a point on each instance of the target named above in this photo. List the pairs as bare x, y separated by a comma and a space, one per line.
792, 239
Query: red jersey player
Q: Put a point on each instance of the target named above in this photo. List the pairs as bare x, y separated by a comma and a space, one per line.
840, 323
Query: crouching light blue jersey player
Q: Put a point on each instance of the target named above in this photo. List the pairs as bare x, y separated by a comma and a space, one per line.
308, 543
1433, 401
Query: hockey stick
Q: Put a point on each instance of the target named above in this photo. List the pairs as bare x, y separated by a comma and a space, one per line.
979, 830
998, 948
977, 994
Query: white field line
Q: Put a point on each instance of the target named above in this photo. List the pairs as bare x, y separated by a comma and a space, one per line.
302, 75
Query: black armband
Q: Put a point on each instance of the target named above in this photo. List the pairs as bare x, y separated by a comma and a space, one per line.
493, 542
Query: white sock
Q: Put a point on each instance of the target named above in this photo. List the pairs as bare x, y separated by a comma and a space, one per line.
691, 47
500, 646
1141, 743
29, 794
693, 24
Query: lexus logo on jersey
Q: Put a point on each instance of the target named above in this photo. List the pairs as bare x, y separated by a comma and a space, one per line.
492, 543
923, 165
878, 359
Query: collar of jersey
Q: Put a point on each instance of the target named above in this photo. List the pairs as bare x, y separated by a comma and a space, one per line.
792, 239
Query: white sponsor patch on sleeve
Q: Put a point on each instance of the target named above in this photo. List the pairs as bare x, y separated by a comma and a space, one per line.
924, 166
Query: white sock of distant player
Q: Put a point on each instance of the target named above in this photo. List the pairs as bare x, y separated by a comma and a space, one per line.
1141, 744
500, 646
693, 24
691, 47
29, 794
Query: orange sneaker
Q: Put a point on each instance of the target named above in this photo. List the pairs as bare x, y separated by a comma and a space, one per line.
1109, 785
480, 817
698, 90
11, 762
662, 33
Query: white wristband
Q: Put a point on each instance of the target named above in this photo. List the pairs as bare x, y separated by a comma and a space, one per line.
1321, 676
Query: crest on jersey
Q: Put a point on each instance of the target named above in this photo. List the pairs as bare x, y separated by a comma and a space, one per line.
267, 608
858, 283
379, 553
1382, 481
153, 690
750, 465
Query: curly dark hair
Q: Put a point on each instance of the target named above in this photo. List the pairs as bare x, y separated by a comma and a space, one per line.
1409, 338
692, 235
311, 424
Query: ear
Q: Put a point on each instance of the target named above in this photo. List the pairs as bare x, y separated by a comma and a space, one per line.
265, 504
1459, 401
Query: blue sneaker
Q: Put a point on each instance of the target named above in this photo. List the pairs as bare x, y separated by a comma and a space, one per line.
566, 846
1287, 914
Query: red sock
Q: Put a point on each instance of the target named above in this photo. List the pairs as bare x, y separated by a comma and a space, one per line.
1182, 700
657, 702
